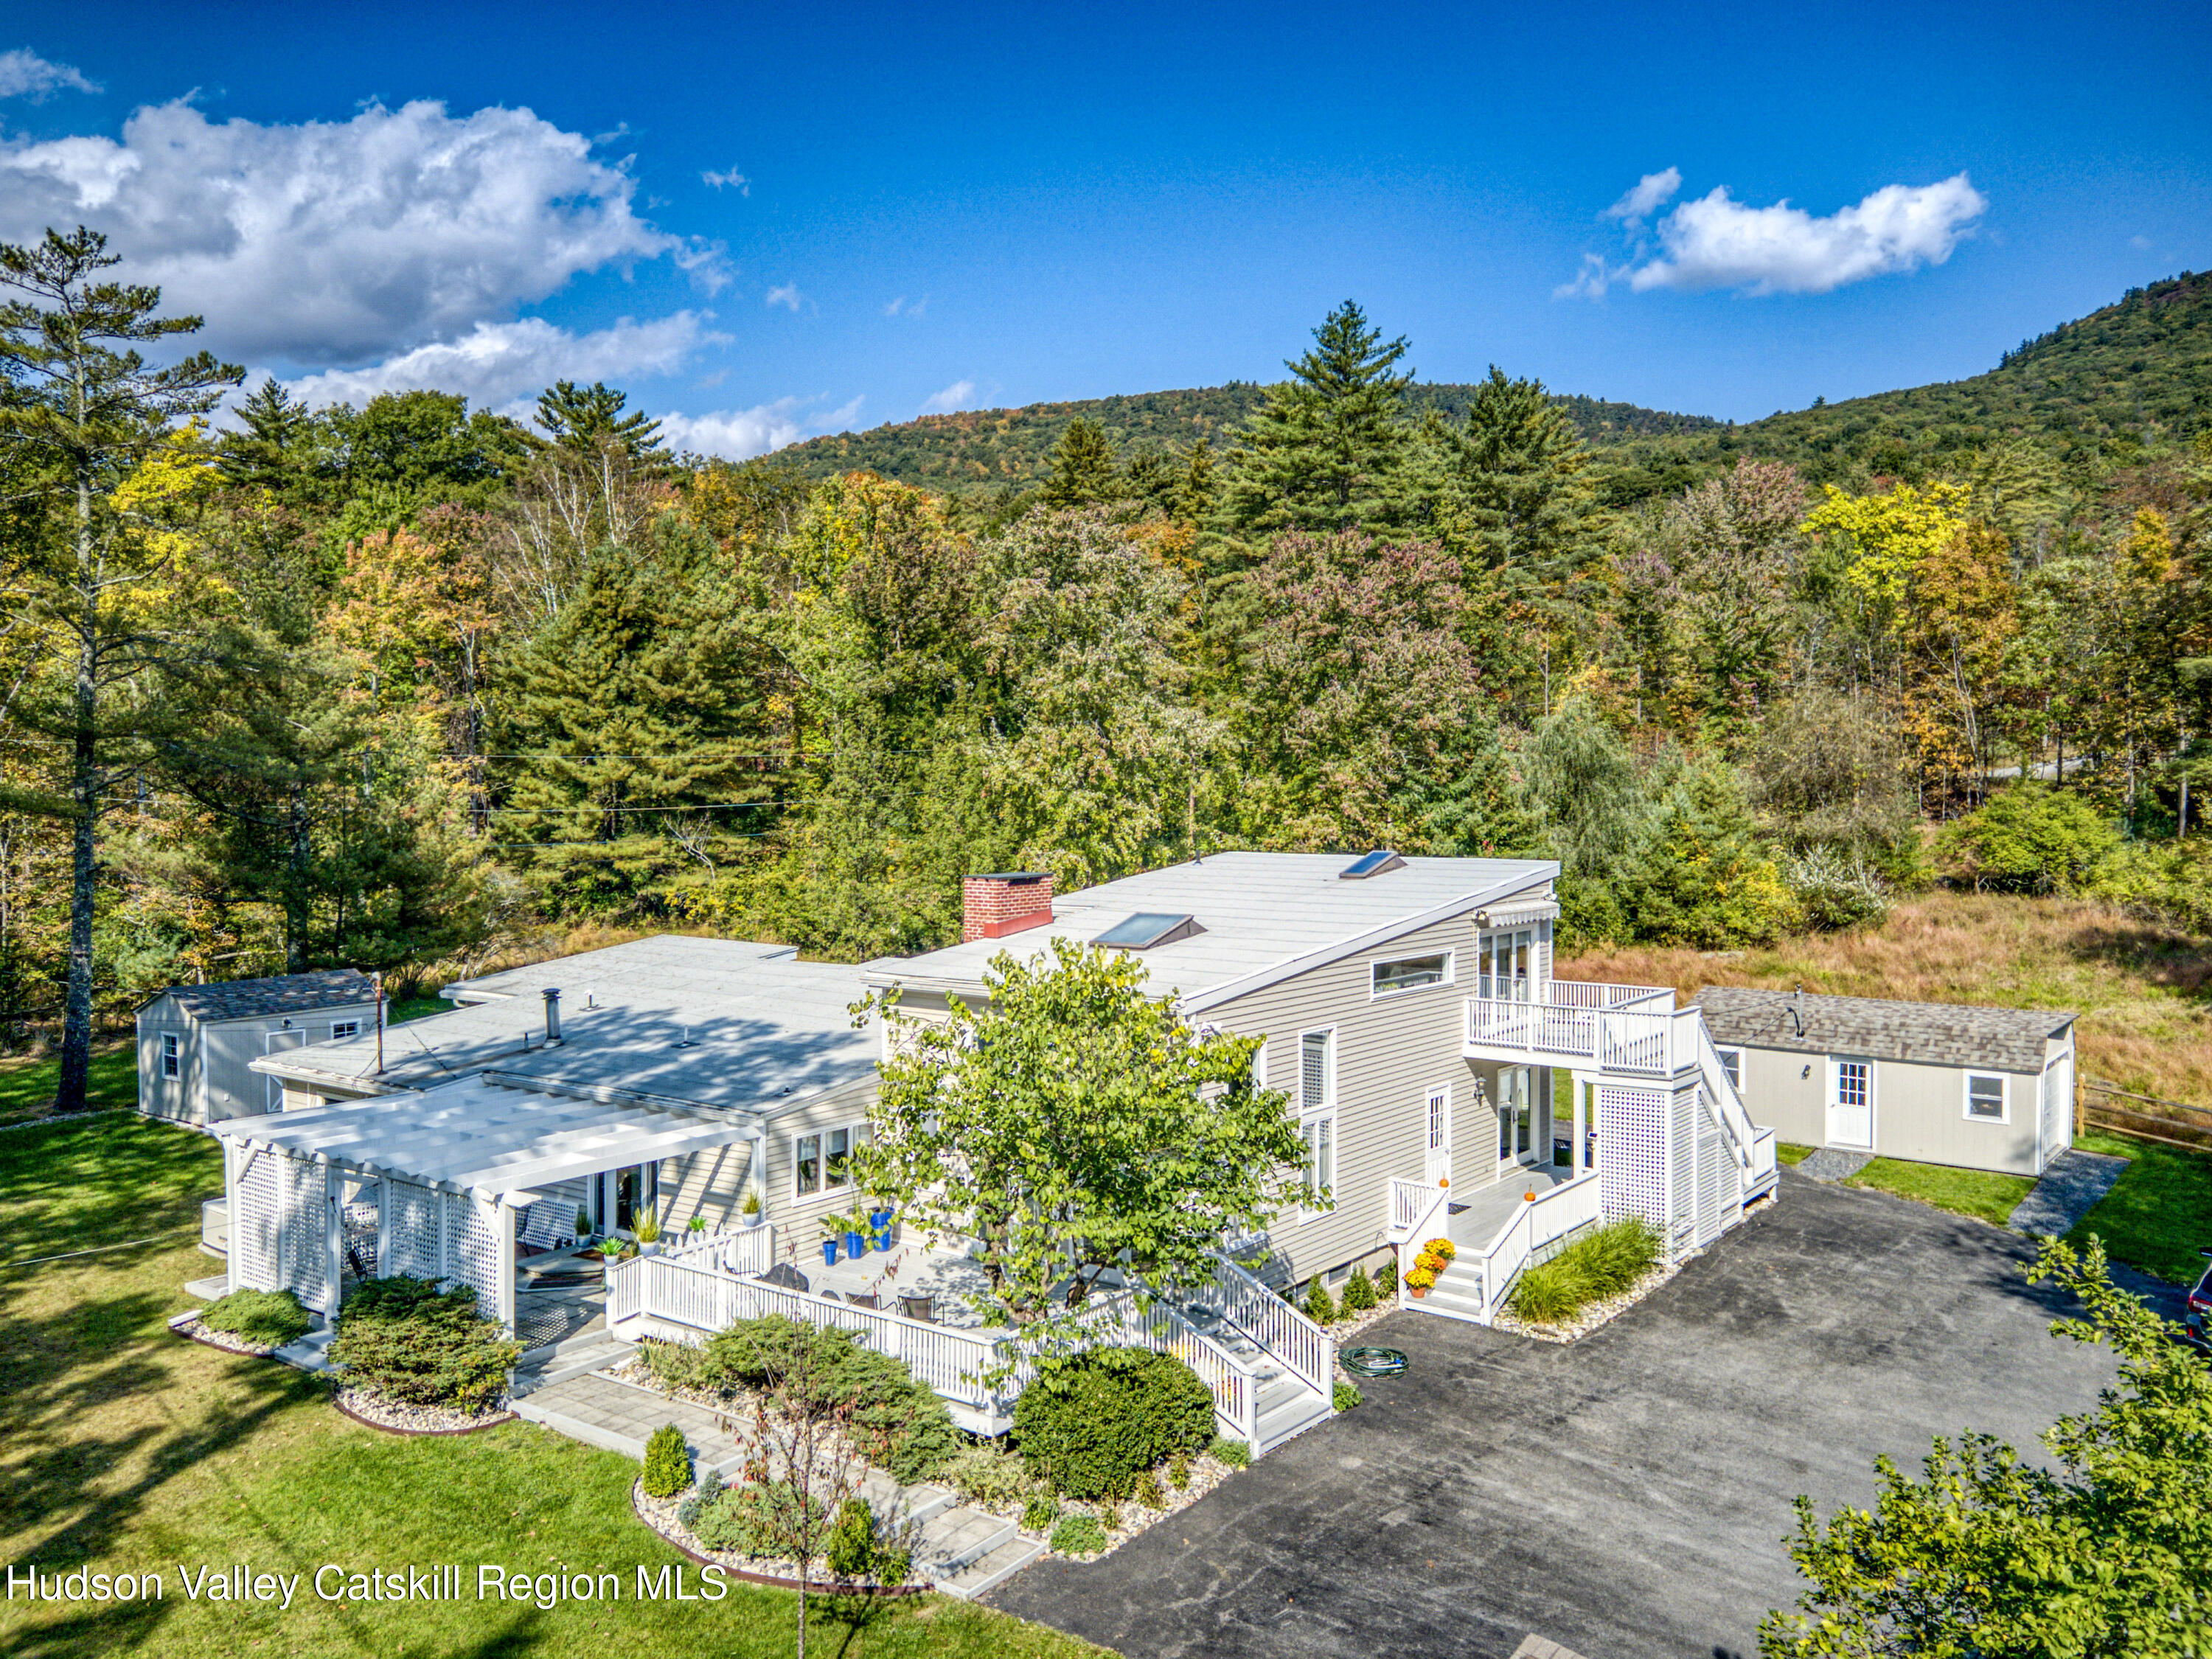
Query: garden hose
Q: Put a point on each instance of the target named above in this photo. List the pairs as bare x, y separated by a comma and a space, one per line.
1373, 1362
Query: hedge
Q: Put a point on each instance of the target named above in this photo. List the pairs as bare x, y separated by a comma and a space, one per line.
405, 1339
1092, 1423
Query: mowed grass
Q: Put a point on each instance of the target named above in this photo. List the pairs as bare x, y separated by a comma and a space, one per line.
27, 1086
127, 1448
1787, 1152
2142, 990
1982, 1194
2158, 1214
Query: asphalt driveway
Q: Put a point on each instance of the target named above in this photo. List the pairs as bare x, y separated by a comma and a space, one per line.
1625, 1496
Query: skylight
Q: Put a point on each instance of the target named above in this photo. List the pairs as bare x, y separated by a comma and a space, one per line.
1147, 928
1374, 864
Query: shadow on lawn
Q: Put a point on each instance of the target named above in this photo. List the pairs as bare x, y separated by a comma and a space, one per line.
2164, 956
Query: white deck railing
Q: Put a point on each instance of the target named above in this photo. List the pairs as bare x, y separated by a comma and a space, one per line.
1539, 1222
1622, 1027
1409, 1201
1727, 1103
1304, 1348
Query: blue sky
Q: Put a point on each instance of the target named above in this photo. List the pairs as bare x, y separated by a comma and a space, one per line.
772, 224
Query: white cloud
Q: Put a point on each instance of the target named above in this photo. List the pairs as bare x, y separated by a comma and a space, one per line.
741, 434
24, 74
899, 306
508, 364
958, 395
1718, 242
329, 243
2139, 243
1651, 190
787, 296
733, 179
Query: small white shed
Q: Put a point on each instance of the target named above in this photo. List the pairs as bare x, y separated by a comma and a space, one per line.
196, 1043
1932, 1082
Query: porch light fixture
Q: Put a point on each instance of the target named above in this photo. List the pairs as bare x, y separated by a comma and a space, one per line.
1375, 864
1146, 929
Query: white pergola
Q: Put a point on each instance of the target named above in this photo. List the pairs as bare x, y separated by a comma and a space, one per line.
451, 1168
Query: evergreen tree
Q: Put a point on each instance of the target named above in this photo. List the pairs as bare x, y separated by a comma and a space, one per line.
1194, 496
1512, 496
583, 417
1083, 473
92, 471
275, 449
1321, 452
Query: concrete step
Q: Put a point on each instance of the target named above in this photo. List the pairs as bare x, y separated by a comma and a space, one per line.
956, 1538
559, 1365
893, 1502
1446, 1301
993, 1570
1292, 1418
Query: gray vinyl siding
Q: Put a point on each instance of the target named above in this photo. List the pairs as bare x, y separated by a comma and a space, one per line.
1390, 1051
710, 1183
797, 1217
227, 1050
159, 1095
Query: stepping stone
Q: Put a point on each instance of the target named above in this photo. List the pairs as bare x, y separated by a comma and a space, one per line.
2072, 1184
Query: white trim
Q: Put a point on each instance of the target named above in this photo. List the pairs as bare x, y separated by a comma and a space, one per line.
1375, 965
2004, 1099
171, 1057
1728, 1053
1828, 1102
1312, 1117
854, 1131
343, 1029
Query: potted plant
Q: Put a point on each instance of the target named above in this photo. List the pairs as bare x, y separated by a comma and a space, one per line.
1419, 1280
856, 1238
698, 1226
614, 1251
879, 1226
583, 1225
833, 1230
1444, 1250
648, 1230
751, 1209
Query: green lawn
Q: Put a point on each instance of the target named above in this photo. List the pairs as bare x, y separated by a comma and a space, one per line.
416, 1007
1788, 1151
2160, 1214
27, 1086
126, 1449
1981, 1193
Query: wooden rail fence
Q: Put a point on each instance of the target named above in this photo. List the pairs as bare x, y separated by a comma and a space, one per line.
2174, 1122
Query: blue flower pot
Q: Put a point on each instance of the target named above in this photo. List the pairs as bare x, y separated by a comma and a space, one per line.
829, 1252
854, 1244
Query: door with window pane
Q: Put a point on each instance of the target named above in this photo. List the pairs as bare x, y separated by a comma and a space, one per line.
1516, 1134
1505, 965
1850, 1103
1438, 1113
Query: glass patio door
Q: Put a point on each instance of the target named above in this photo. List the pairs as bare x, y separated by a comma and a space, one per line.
1504, 963
1516, 1135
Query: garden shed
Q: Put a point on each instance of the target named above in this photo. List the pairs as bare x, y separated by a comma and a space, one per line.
198, 1043
438, 1185
1932, 1082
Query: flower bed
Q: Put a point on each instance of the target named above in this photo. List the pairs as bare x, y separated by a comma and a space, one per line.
379, 1413
1594, 1314
665, 1517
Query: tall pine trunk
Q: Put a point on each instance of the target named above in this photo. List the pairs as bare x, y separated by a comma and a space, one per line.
84, 796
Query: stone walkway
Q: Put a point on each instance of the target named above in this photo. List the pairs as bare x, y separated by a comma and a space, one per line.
1832, 1163
2072, 1183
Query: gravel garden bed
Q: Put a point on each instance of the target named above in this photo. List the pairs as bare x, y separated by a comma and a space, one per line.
1596, 1313
378, 1412
664, 1515
223, 1340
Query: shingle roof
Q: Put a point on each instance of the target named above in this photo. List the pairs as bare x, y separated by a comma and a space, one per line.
286, 993
1932, 1033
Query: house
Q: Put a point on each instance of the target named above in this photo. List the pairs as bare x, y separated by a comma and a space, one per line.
198, 1043
1936, 1083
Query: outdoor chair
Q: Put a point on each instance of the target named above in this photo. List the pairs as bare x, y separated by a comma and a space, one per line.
786, 1277
857, 1300
917, 1307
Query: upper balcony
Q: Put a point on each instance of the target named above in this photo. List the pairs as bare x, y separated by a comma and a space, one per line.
1611, 1028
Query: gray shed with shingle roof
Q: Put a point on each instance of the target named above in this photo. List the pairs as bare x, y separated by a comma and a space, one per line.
196, 1043
1935, 1082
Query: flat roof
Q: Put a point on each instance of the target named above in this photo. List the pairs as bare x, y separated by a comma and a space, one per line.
1926, 1033
1265, 915
725, 1023
487, 1133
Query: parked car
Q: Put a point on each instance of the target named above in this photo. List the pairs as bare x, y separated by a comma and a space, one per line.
2199, 1305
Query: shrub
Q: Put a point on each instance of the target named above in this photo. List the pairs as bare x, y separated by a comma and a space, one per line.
673, 1364
1344, 1397
2032, 839
1110, 1515
1605, 1263
764, 1518
1236, 1454
710, 1488
986, 1474
1148, 1492
1078, 1535
899, 1422
1318, 1307
409, 1342
1835, 895
1358, 1290
1386, 1281
268, 1319
1179, 1471
851, 1547
1090, 1423
667, 1462
1039, 1512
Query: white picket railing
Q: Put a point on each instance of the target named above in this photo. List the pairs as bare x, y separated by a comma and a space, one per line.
1727, 1104
740, 1250
1622, 1027
1304, 1348
1136, 1318
1539, 1222
625, 1286
1762, 1160
1434, 1221
1409, 1201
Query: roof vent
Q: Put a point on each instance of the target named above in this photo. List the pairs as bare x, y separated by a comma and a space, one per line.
1147, 928
1374, 864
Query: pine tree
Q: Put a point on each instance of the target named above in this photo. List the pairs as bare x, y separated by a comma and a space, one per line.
1194, 495
583, 417
1083, 472
1514, 498
1321, 451
274, 449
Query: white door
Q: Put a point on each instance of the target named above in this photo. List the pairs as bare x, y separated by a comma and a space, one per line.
279, 1041
1438, 1116
1850, 1103
1516, 1134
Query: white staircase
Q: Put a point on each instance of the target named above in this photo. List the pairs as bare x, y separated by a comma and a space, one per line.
1287, 1363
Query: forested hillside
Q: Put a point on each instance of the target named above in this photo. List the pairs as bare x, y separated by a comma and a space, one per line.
406, 685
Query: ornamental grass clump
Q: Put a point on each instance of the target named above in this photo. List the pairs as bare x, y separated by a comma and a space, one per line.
1078, 1535
268, 1318
405, 1340
1606, 1263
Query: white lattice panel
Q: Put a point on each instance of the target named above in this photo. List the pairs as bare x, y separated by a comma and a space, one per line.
306, 1231
416, 1248
1712, 1152
253, 1229
1632, 1152
1684, 1115
473, 1251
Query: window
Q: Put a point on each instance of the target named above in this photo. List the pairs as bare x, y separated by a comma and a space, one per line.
1316, 1072
1439, 1118
345, 1028
1504, 963
1851, 1083
1732, 1065
821, 1162
1320, 1136
173, 1060
1260, 1065
1411, 973
1985, 1097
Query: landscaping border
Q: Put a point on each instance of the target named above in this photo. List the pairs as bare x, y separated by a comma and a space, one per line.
491, 1422
185, 1324
813, 1586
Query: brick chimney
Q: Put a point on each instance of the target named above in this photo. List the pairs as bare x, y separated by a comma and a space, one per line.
991, 907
